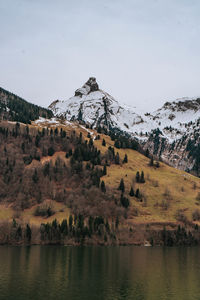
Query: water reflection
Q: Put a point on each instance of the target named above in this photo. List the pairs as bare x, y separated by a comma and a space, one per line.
137, 273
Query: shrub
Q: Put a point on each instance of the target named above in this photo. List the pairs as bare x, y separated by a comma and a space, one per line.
179, 216
44, 210
196, 215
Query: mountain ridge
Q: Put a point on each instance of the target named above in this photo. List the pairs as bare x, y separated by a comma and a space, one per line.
15, 108
164, 131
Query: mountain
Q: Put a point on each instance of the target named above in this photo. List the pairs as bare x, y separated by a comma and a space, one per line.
170, 133
95, 107
63, 183
14, 108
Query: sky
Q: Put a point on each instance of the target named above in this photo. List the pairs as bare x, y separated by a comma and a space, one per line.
142, 52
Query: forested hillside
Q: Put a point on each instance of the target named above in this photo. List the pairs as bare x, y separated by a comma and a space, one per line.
14, 108
70, 184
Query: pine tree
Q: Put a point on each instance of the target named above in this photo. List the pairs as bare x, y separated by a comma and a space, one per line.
103, 143
151, 163
103, 187
90, 142
28, 233
90, 225
117, 222
64, 227
117, 144
35, 177
142, 180
51, 151
125, 160
56, 131
137, 193
131, 193
70, 222
104, 170
137, 177
124, 201
147, 153
121, 185
117, 159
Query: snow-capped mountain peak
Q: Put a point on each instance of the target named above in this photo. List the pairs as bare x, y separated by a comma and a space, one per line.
96, 108
167, 132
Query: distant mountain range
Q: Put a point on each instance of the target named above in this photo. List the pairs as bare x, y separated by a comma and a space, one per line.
171, 133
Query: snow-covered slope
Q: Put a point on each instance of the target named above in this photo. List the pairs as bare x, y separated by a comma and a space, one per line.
171, 126
97, 108
173, 119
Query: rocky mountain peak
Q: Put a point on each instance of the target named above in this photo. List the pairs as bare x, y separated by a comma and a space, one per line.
171, 133
90, 86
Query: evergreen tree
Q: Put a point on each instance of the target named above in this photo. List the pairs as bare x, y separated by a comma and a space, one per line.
107, 226
103, 143
23, 147
37, 140
51, 151
121, 185
80, 223
131, 193
64, 227
117, 222
56, 131
137, 177
103, 187
137, 193
104, 170
35, 176
90, 142
117, 159
70, 222
28, 233
117, 144
125, 160
91, 225
151, 163
147, 153
142, 180
124, 201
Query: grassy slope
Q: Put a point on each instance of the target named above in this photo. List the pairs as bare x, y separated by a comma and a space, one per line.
179, 184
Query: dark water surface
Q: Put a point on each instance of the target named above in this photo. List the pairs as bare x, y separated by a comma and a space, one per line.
110, 273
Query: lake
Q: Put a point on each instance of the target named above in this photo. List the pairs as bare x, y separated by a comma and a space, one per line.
58, 272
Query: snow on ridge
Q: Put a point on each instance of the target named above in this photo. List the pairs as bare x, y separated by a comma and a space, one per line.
89, 103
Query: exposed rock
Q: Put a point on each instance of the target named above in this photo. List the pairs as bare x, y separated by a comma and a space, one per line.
166, 132
90, 86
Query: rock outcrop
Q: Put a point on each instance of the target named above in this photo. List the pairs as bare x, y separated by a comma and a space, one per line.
171, 133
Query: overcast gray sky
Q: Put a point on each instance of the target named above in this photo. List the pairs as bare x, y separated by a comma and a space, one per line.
143, 52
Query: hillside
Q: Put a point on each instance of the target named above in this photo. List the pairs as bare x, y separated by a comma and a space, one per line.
171, 133
59, 169
14, 108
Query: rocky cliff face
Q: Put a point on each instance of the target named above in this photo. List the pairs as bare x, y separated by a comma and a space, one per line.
171, 133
